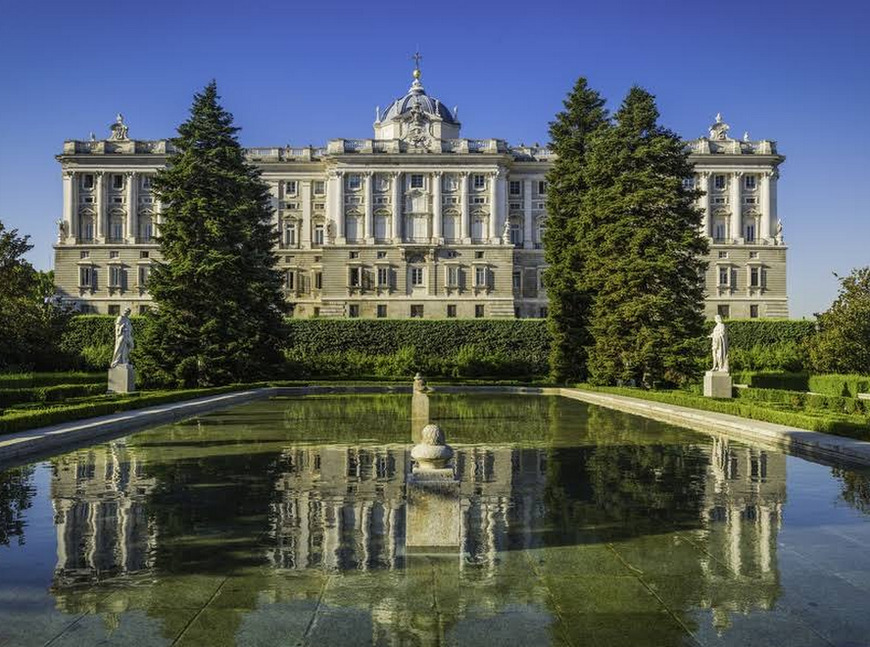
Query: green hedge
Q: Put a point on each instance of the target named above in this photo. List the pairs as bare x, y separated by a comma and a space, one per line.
769, 380
805, 401
33, 380
14, 420
840, 385
10, 397
825, 422
747, 333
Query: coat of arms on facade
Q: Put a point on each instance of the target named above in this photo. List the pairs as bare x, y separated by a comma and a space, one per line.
417, 129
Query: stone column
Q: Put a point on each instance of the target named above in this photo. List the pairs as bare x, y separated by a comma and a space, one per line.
528, 243
705, 179
132, 206
736, 208
501, 211
494, 233
764, 207
307, 226
335, 204
70, 206
100, 193
464, 224
369, 233
396, 198
436, 208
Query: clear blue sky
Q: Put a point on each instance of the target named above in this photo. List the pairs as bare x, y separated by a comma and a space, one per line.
292, 72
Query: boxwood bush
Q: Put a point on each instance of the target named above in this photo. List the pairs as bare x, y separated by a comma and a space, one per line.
840, 385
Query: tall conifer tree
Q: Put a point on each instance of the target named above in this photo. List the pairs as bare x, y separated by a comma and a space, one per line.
568, 304
219, 302
642, 250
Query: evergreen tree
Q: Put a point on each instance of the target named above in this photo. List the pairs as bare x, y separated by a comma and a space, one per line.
30, 320
843, 342
642, 250
568, 305
219, 314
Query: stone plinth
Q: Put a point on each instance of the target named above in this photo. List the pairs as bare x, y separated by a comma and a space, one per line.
717, 384
432, 511
122, 379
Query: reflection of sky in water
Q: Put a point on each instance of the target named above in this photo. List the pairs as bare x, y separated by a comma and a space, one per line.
273, 524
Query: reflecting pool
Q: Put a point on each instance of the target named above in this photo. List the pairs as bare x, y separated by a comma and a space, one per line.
286, 522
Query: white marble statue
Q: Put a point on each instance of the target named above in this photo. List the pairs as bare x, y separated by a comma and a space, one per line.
720, 345
123, 339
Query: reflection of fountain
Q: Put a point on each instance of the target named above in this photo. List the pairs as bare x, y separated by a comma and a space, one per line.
432, 496
419, 407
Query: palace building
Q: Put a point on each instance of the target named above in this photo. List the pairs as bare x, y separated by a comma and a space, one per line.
416, 222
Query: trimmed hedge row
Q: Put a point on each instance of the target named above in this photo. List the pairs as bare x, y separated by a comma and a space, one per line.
767, 380
840, 385
34, 380
773, 344
13, 420
10, 397
830, 423
806, 401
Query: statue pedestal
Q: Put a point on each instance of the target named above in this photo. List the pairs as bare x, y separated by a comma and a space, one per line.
717, 384
122, 379
433, 514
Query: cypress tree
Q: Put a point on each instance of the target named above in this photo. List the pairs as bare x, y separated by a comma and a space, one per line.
642, 250
219, 314
568, 305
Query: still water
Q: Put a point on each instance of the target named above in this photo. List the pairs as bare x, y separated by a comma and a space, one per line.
286, 522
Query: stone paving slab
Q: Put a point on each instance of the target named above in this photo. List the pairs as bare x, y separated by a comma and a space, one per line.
813, 444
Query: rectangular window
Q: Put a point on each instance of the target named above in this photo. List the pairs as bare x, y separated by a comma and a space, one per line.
117, 181
113, 254
146, 182
479, 310
355, 278
114, 309
316, 311
143, 309
452, 276
515, 187
383, 277
479, 181
318, 234
755, 277
417, 311
750, 233
290, 187
88, 181
382, 254
719, 182
688, 183
290, 279
353, 255
354, 182
542, 188
116, 276
542, 312
84, 255
144, 272
750, 182
416, 181
319, 187
451, 311
116, 232
753, 311
353, 310
753, 254
416, 276
723, 311
724, 275
723, 254
517, 280
318, 280
516, 234
143, 254
289, 234
719, 231
382, 311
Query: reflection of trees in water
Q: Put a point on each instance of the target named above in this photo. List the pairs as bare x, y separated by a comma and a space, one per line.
855, 487
16, 492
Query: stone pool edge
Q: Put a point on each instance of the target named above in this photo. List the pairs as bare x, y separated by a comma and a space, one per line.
797, 441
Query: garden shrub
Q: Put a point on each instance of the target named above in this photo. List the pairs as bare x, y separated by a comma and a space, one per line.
845, 385
11, 397
773, 380
31, 380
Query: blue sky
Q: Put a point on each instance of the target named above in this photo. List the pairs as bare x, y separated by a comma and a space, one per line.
300, 73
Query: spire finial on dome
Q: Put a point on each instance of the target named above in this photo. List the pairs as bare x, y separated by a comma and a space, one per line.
417, 57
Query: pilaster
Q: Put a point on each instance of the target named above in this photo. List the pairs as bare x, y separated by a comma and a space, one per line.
493, 209
464, 224
100, 193
369, 232
70, 206
528, 243
436, 208
736, 208
396, 200
132, 206
766, 207
307, 225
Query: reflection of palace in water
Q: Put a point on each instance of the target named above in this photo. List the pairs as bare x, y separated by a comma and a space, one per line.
99, 499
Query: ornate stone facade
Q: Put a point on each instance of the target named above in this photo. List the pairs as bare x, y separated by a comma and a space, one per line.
416, 222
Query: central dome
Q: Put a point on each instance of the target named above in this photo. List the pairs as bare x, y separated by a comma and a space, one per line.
417, 96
